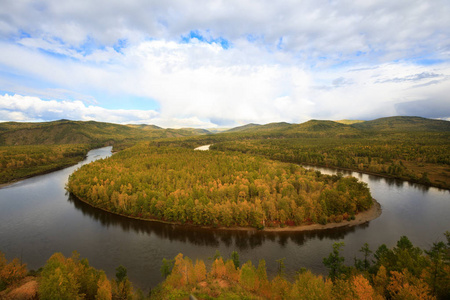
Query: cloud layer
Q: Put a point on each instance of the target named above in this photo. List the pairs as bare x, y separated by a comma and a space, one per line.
215, 63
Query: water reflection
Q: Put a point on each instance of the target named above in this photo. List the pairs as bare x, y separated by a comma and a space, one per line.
389, 181
240, 239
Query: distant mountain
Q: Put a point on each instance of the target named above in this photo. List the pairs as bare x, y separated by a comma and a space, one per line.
91, 132
341, 128
403, 124
256, 128
308, 129
320, 125
194, 131
243, 128
217, 130
144, 126
78, 132
350, 122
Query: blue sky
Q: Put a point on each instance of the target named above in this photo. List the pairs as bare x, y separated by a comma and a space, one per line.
223, 63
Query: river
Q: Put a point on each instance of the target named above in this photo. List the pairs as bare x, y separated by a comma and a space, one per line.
38, 218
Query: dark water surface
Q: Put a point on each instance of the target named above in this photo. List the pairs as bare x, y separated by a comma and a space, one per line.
38, 218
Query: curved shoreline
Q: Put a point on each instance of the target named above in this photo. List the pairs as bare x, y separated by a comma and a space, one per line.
58, 168
361, 218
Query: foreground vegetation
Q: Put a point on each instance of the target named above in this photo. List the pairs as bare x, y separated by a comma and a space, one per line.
216, 189
18, 162
403, 272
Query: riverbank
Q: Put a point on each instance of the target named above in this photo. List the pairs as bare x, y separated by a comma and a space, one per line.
22, 162
361, 218
43, 172
384, 175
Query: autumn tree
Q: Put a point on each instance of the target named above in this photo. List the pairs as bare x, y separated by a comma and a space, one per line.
200, 270
247, 277
310, 286
11, 272
403, 285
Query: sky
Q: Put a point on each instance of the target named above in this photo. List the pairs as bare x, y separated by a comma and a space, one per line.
209, 64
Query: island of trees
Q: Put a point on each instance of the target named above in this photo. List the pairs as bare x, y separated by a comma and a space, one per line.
219, 189
403, 272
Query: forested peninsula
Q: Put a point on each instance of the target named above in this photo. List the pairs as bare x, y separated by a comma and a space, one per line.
216, 189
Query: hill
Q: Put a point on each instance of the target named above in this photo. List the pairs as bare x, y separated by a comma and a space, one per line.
256, 128
79, 132
312, 128
402, 124
243, 128
392, 124
349, 122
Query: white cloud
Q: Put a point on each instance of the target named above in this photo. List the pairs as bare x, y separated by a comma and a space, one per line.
314, 27
288, 61
25, 108
377, 92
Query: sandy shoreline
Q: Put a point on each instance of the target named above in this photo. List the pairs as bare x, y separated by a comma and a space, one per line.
361, 218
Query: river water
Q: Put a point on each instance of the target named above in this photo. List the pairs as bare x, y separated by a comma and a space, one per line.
38, 218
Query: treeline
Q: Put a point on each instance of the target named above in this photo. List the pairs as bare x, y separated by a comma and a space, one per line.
18, 162
216, 189
419, 157
402, 272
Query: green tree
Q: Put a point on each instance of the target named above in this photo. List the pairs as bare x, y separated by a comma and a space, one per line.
122, 288
281, 267
437, 275
235, 259
121, 273
334, 262
166, 267
364, 265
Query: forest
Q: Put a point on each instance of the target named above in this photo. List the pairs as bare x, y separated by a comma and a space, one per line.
17, 162
29, 149
215, 188
408, 148
401, 272
420, 158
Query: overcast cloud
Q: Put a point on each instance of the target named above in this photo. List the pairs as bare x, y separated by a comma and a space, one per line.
223, 63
